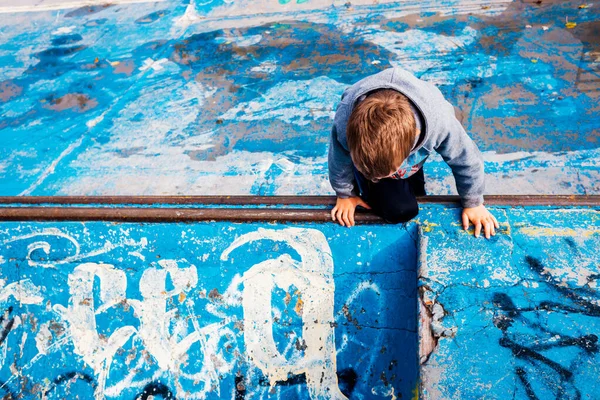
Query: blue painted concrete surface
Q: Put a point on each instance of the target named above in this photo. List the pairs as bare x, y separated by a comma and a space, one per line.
186, 97
514, 317
220, 310
207, 310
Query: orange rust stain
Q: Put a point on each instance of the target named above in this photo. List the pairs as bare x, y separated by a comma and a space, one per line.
299, 307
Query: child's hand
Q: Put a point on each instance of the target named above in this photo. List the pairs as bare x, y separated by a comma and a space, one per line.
344, 210
480, 216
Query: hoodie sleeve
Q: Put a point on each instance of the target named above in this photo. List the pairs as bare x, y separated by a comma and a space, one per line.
464, 158
341, 175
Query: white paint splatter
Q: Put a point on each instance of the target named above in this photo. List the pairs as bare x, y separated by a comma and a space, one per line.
43, 338
51, 167
297, 102
95, 121
23, 291
62, 30
418, 50
313, 276
49, 5
154, 65
265, 66
240, 41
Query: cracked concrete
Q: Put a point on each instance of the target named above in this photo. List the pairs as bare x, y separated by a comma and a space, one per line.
486, 308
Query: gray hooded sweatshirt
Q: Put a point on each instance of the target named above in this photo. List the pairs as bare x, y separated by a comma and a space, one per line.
441, 132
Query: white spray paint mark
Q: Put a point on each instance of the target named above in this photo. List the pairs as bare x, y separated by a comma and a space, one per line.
313, 276
154, 65
44, 245
23, 291
265, 66
297, 102
95, 121
62, 30
153, 314
97, 351
189, 17
62, 4
240, 41
43, 338
51, 167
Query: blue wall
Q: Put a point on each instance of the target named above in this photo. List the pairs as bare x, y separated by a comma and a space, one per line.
223, 310
186, 310
516, 316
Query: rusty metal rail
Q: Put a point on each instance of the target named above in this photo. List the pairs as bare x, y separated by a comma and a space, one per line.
123, 208
516, 200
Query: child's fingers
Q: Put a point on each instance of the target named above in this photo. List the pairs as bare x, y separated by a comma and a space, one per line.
487, 228
333, 213
465, 221
345, 218
339, 217
477, 228
351, 217
496, 224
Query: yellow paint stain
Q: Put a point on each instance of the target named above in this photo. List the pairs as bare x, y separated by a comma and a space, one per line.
582, 6
571, 25
181, 297
534, 60
578, 232
428, 226
416, 392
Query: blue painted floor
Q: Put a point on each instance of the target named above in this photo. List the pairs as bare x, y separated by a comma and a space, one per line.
189, 97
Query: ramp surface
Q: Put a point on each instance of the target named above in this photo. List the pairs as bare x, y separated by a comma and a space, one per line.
237, 97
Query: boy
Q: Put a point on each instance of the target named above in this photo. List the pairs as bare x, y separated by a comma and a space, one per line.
385, 127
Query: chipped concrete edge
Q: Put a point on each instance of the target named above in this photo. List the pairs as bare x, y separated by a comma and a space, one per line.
430, 328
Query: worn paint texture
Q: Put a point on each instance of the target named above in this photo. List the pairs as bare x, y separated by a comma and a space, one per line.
514, 317
237, 97
207, 310
299, 311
